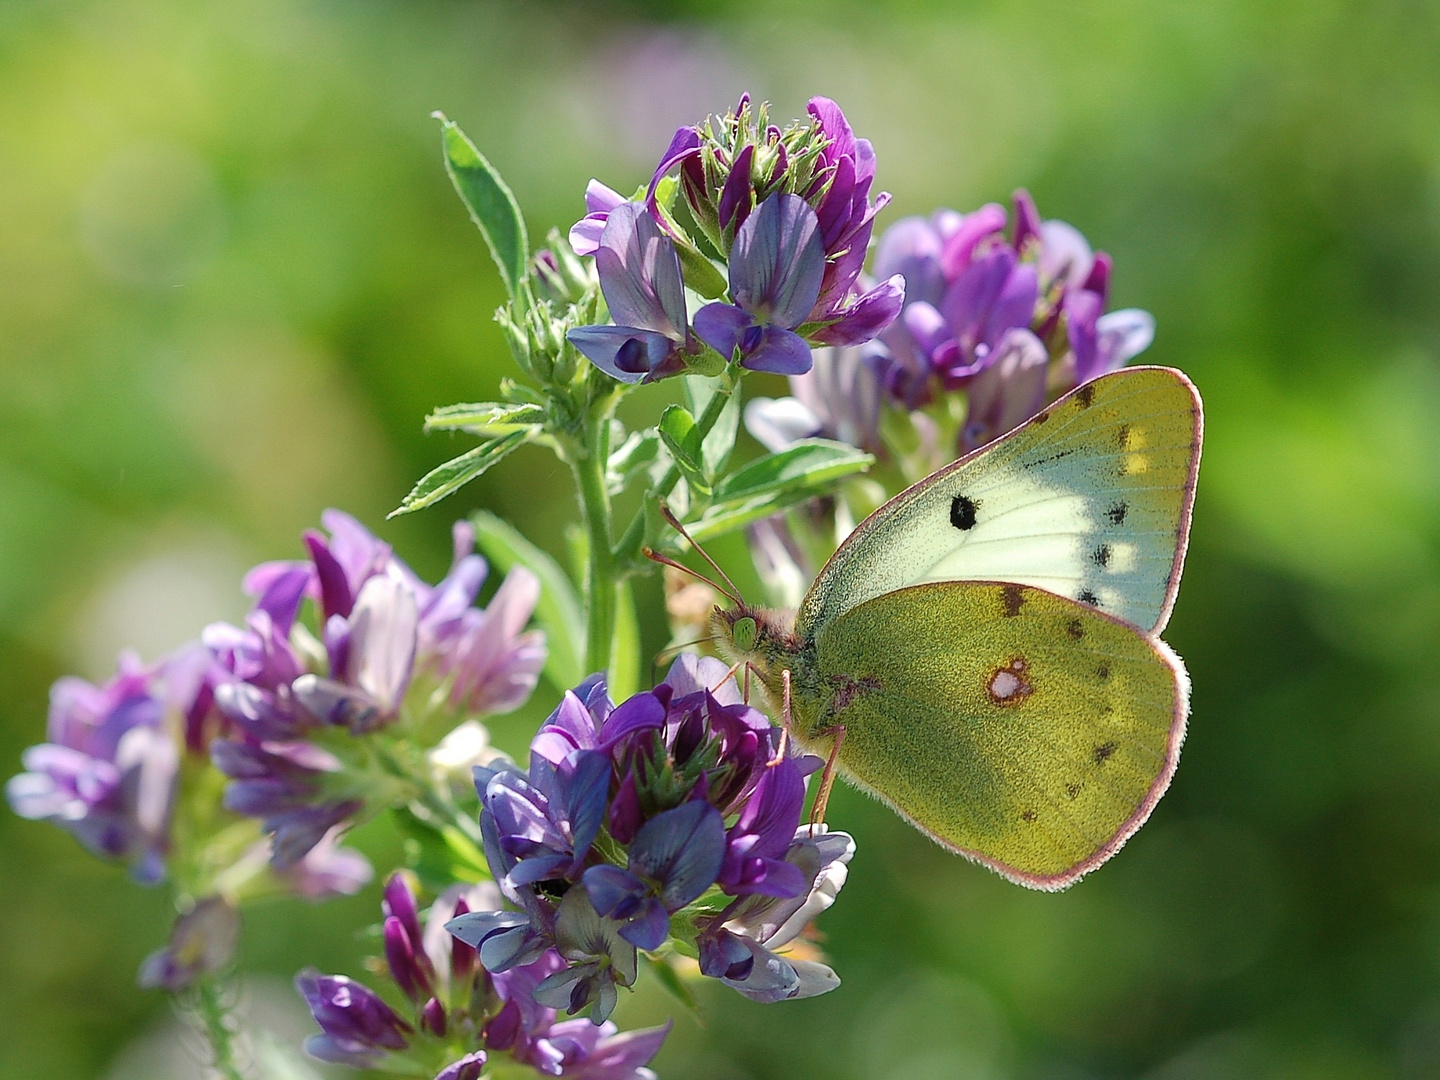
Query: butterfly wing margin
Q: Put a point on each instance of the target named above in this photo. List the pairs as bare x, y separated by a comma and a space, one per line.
1091, 498
1021, 729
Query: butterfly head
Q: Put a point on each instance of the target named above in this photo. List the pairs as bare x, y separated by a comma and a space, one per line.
757, 637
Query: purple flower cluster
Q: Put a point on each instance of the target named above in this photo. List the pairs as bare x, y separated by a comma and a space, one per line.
674, 816
108, 774
1009, 316
382, 630
791, 214
456, 1014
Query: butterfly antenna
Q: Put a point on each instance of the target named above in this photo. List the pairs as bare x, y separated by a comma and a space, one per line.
675, 524
665, 560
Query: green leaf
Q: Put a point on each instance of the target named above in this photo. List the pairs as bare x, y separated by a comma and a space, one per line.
624, 672
457, 472
811, 464
484, 418
777, 482
491, 204
558, 611
682, 438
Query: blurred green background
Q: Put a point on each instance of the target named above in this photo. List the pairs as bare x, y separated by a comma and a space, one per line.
233, 277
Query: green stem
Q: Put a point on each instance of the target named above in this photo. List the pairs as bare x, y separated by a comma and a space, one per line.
627, 551
589, 467
214, 1014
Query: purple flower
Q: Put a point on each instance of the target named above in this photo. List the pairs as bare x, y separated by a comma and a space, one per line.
640, 277
674, 857
776, 267
108, 773
599, 201
202, 941
357, 1027
968, 286
1008, 392
382, 630
327, 869
745, 946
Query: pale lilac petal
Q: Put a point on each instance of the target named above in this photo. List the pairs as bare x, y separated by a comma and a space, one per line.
778, 424
911, 247
1065, 254
585, 234
640, 273
1122, 335
1014, 306
382, 641
1008, 392
974, 227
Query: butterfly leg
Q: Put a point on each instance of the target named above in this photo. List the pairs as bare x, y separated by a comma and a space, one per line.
827, 778
784, 719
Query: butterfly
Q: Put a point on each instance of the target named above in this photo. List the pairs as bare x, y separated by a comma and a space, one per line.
982, 652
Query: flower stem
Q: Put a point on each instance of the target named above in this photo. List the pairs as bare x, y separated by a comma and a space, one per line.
600, 580
627, 551
213, 1011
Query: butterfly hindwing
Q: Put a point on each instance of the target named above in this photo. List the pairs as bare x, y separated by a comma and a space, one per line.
1090, 499
1012, 725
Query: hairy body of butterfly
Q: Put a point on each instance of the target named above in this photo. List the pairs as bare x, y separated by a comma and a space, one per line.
982, 652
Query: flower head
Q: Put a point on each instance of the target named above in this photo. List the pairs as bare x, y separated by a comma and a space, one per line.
449, 1000
108, 773
969, 287
202, 941
385, 638
696, 800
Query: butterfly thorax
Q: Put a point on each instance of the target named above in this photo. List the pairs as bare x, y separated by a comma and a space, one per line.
766, 642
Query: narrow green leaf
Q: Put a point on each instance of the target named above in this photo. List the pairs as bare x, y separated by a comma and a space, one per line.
457, 472
558, 611
484, 418
810, 464
491, 204
682, 438
777, 482
624, 673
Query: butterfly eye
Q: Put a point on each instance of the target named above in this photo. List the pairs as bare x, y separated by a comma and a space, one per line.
745, 633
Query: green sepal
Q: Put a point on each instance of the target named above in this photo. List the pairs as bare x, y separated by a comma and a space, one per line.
490, 201
681, 436
485, 418
457, 472
558, 611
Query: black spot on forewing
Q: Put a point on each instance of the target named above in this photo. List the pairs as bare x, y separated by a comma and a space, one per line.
1117, 512
1085, 395
1013, 597
1103, 752
1088, 597
962, 512
1101, 557
1075, 630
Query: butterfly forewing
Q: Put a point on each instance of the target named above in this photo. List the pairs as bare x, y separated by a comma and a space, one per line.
1012, 725
1090, 499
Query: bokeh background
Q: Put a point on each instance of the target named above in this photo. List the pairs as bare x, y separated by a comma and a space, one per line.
233, 277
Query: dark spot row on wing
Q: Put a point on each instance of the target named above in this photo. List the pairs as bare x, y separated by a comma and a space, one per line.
1088, 597
1013, 596
962, 512
1117, 512
1101, 556
1075, 630
1103, 751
